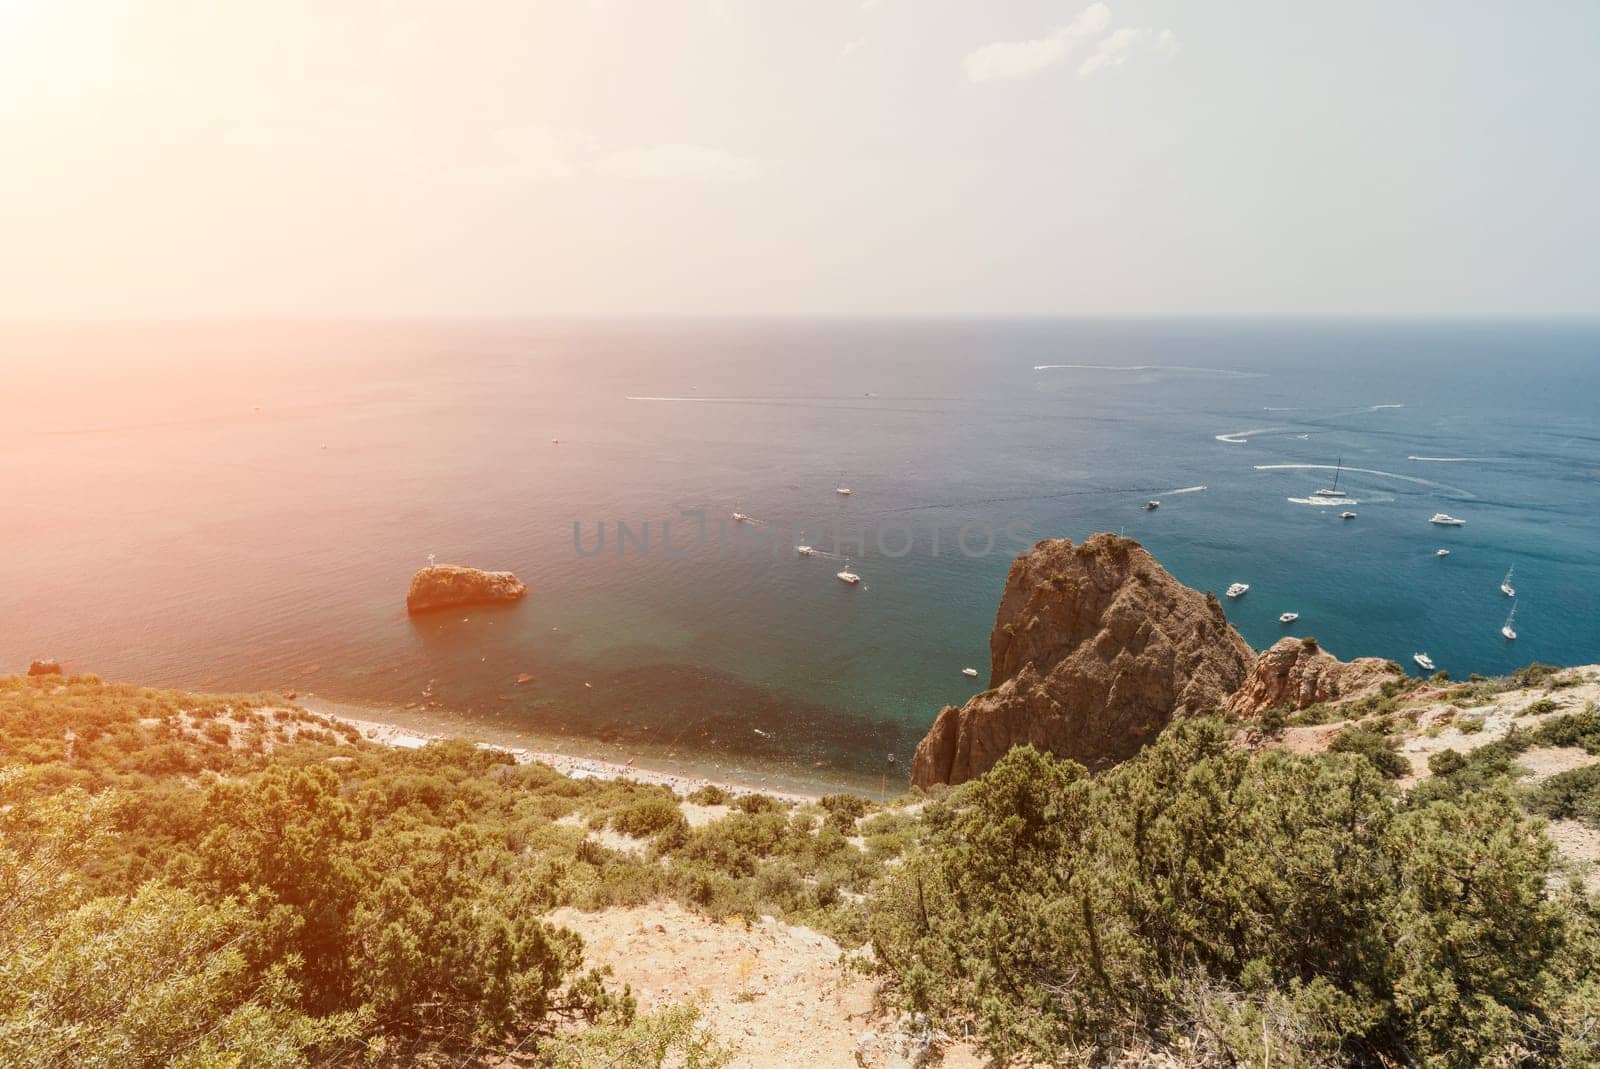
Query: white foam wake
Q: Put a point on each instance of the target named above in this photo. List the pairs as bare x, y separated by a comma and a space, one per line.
1241, 437
1447, 460
1323, 500
1375, 408
1185, 490
1368, 471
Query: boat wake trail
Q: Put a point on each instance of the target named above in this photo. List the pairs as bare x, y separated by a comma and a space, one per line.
1241, 437
1451, 460
1376, 408
1346, 501
1185, 490
1456, 490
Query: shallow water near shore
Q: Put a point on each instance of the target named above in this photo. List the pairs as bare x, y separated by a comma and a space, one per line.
241, 506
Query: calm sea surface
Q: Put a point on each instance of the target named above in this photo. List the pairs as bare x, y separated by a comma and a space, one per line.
241, 507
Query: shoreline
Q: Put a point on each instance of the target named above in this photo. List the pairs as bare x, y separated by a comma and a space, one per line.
585, 758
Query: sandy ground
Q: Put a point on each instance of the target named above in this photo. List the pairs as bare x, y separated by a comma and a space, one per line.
777, 994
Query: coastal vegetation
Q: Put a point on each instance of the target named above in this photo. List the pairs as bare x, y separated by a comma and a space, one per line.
195, 880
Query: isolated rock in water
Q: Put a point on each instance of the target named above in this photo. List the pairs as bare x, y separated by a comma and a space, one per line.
1296, 673
1095, 649
442, 586
45, 667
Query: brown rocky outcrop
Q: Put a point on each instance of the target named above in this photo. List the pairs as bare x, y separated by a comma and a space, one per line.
45, 667
1296, 673
444, 586
1095, 649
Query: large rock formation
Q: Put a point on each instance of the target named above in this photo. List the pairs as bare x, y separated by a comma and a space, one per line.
444, 586
1095, 649
1296, 673
45, 666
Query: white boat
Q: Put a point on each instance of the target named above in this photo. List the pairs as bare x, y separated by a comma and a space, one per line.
1505, 584
1441, 553
805, 551
1423, 661
847, 576
1347, 515
972, 672
1506, 629
739, 517
1332, 491
1238, 590
842, 490
1152, 505
1444, 519
1288, 617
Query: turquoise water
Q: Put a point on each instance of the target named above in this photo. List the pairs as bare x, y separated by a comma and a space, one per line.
241, 506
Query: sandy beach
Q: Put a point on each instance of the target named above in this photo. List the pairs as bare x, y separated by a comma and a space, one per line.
407, 729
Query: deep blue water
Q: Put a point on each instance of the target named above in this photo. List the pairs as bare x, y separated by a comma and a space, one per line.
241, 506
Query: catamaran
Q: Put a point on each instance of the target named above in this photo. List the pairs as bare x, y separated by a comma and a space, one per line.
1505, 584
1423, 661
1444, 519
1238, 590
1506, 629
1332, 491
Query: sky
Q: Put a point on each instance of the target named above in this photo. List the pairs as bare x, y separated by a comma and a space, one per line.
300, 158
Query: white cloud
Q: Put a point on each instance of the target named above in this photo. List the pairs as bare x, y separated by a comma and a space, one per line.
1119, 46
1018, 59
678, 162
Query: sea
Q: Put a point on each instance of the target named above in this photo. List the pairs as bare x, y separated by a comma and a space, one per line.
241, 506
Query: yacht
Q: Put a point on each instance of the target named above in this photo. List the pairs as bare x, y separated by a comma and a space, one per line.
1444, 519
1288, 618
805, 551
1152, 505
1238, 590
848, 577
842, 491
1441, 553
1332, 491
1347, 515
739, 517
1506, 629
1505, 584
970, 672
1423, 661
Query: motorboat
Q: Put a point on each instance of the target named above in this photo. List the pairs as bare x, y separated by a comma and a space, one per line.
805, 551
1288, 617
1152, 505
1444, 519
1423, 661
848, 577
1238, 590
970, 672
1441, 553
1347, 515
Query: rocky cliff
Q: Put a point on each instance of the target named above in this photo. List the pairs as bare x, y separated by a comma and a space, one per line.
1095, 649
443, 586
1296, 673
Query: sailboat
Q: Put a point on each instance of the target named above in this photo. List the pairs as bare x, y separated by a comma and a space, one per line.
1507, 630
1505, 584
1332, 491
